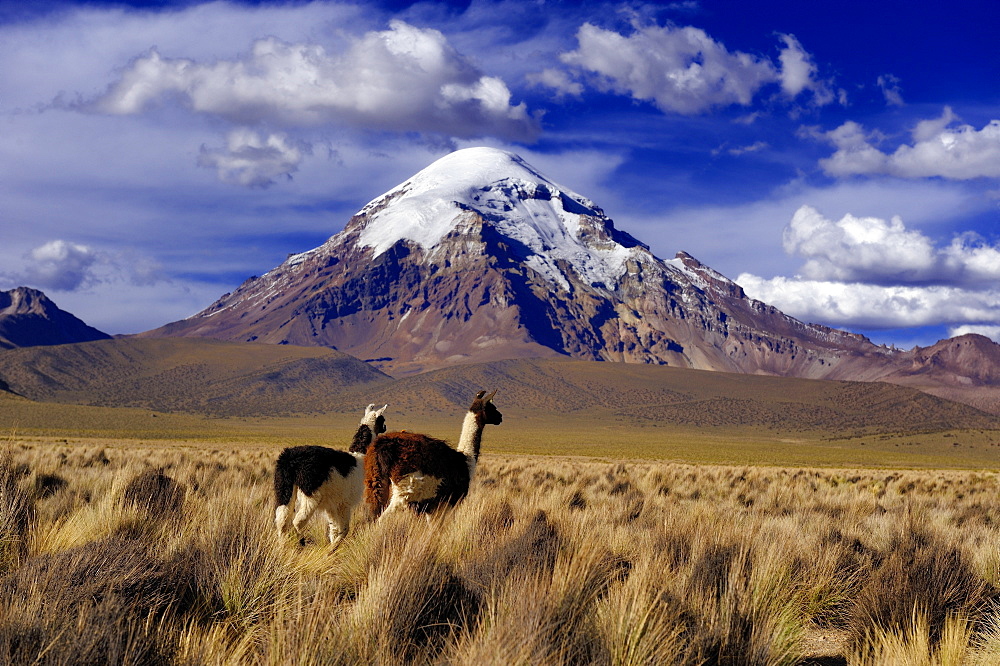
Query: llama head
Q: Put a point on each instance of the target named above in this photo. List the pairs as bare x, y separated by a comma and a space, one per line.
486, 412
374, 419
372, 425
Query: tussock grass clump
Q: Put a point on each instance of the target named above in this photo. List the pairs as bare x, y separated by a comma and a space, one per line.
17, 512
920, 576
155, 491
93, 604
413, 606
47, 485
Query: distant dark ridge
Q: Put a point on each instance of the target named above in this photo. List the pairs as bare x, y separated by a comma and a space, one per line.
28, 319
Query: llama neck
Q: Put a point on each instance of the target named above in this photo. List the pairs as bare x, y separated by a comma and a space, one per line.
362, 438
471, 438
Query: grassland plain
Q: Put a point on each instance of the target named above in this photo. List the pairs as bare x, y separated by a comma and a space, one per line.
595, 432
638, 516
163, 552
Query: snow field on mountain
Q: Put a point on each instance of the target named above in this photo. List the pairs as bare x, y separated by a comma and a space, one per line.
522, 204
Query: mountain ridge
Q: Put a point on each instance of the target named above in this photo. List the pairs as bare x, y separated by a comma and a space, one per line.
207, 376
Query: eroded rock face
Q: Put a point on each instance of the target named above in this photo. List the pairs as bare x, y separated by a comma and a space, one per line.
480, 258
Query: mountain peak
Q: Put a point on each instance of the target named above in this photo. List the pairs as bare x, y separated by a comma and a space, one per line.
24, 300
28, 318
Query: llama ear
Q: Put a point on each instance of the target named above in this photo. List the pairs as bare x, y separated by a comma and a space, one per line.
479, 396
381, 411
490, 396
370, 408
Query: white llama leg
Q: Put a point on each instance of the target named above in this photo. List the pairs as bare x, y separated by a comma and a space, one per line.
397, 500
306, 507
339, 526
415, 487
281, 517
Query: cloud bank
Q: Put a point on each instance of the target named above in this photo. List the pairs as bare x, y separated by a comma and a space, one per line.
404, 79
874, 306
872, 272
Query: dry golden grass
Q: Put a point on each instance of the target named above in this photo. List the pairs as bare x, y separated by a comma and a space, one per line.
549, 561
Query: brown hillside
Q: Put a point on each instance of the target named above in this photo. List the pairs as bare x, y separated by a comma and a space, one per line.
207, 376
564, 391
232, 379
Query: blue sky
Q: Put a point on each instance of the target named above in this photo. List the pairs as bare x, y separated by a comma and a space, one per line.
841, 161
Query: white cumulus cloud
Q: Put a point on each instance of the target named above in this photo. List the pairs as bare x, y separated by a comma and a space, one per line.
59, 265
405, 79
557, 80
858, 248
939, 149
252, 160
992, 332
871, 249
65, 266
682, 69
798, 72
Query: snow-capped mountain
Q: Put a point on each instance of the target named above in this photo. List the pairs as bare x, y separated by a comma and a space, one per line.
479, 257
28, 319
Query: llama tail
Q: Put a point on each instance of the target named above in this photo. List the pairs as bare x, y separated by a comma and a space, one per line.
377, 464
284, 488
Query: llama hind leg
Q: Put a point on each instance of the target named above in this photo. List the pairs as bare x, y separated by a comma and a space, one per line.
306, 506
398, 499
282, 516
412, 490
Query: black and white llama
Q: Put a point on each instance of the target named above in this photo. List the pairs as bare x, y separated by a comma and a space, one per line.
409, 469
324, 479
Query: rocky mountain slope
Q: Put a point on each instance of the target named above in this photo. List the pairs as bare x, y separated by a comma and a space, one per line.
28, 319
479, 257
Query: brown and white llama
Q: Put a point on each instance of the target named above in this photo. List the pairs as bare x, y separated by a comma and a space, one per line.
325, 479
409, 469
